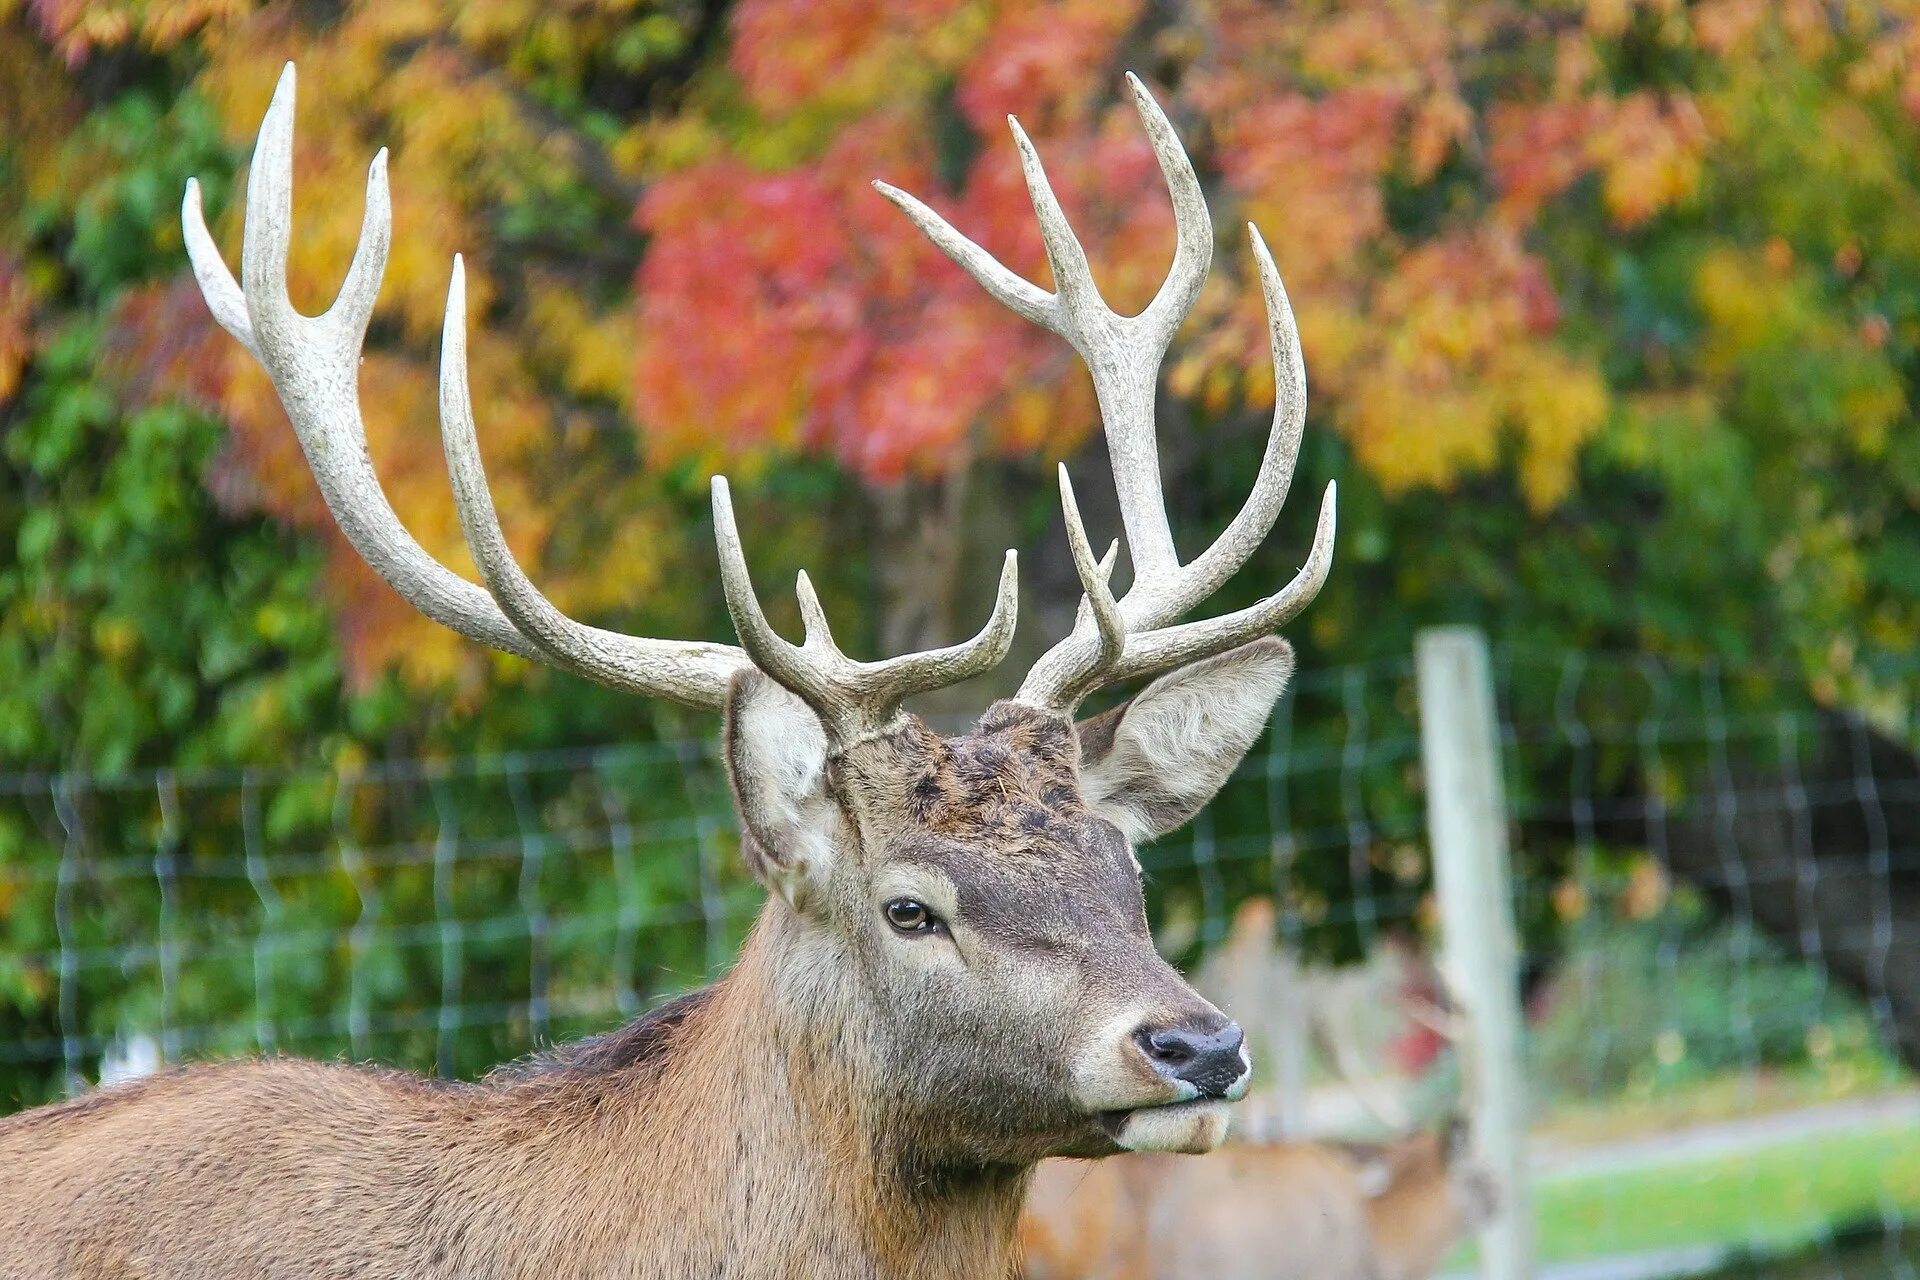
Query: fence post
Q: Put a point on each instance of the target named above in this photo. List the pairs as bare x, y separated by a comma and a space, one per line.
1288, 1034
1480, 956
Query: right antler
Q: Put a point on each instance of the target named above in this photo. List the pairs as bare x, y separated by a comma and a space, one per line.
1140, 633
313, 362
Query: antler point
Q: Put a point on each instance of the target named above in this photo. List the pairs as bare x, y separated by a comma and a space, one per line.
283, 92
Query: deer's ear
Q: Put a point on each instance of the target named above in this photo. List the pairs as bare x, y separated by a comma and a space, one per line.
777, 765
1152, 762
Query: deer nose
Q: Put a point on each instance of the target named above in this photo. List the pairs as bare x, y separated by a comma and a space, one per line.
1210, 1061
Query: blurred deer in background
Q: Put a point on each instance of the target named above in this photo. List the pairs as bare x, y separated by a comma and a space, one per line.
1307, 1210
951, 978
1286, 1211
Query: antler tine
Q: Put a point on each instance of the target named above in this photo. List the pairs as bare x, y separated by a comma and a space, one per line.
269, 220
1249, 527
1192, 224
1123, 354
1098, 604
854, 700
1017, 295
217, 285
1083, 662
771, 653
1388, 1111
1076, 672
818, 632
313, 363
678, 669
1082, 315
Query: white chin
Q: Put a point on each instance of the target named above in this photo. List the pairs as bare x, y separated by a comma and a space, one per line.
1193, 1128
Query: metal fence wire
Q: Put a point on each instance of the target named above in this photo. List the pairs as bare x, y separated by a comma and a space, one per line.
1716, 887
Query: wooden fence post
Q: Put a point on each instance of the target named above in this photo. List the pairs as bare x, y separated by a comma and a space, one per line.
1480, 956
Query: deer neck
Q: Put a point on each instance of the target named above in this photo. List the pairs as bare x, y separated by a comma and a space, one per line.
756, 1149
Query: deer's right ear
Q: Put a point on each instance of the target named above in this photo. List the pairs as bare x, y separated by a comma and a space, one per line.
1152, 762
777, 765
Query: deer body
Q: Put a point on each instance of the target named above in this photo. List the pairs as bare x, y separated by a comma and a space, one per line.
1281, 1211
618, 1158
952, 978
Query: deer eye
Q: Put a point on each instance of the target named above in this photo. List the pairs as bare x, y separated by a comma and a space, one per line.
909, 915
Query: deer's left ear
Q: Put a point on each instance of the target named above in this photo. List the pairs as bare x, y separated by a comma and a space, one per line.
1152, 762
777, 765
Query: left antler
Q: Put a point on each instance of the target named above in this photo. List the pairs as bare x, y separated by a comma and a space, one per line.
314, 364
1140, 633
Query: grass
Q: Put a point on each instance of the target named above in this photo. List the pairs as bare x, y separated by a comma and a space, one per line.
1773, 1197
1767, 1200
1719, 1098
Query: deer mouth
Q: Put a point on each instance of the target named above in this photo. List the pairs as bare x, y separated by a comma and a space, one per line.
1193, 1127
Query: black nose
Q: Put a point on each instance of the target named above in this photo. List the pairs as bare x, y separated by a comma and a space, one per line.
1210, 1061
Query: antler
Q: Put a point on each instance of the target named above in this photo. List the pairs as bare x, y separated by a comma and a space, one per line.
313, 362
1375, 1097
854, 700
1140, 633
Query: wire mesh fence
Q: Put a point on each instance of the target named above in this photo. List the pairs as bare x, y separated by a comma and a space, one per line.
1716, 884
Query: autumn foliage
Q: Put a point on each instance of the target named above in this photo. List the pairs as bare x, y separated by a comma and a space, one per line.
1522, 238
1428, 347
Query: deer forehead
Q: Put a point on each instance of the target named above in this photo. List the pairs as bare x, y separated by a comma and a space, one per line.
1010, 786
997, 814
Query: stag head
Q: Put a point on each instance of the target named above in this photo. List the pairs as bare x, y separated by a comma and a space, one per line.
966, 912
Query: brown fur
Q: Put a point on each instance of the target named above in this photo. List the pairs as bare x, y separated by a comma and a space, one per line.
847, 1102
1284, 1211
1432, 1199
626, 1166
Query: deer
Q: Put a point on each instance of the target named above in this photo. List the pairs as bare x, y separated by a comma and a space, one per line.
1288, 1210
951, 977
1299, 1210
